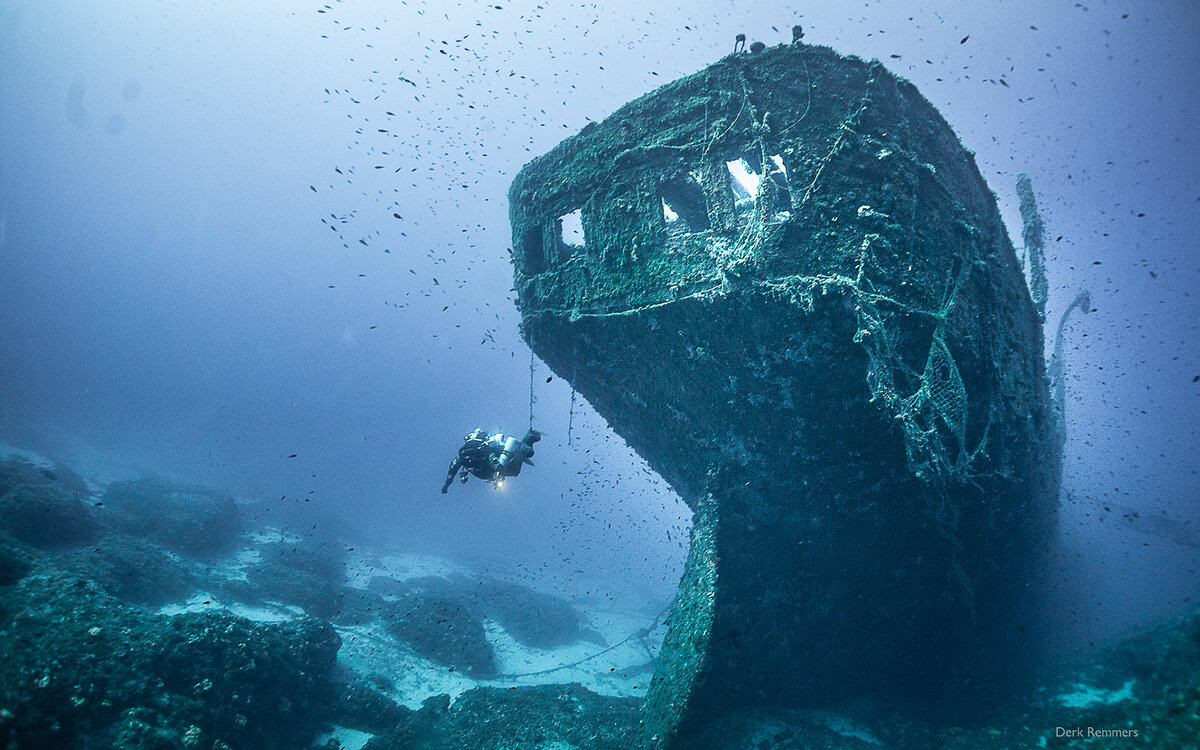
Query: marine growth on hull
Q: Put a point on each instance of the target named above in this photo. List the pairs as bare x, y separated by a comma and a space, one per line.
784, 282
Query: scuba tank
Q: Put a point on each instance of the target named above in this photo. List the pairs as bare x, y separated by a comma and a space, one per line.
510, 456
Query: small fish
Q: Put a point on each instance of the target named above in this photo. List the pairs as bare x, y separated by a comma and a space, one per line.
549, 378
293, 455
964, 39
313, 188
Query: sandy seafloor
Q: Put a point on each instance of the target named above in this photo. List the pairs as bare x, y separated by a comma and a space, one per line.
623, 669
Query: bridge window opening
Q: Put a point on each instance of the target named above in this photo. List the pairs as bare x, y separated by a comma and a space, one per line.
571, 231
533, 252
683, 205
744, 183
743, 180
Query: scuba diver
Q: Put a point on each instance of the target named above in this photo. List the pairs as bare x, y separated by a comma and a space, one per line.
491, 458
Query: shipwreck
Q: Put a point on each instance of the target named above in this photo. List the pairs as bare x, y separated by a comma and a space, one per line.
784, 282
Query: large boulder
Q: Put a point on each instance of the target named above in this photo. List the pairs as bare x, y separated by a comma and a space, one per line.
46, 516
445, 630
325, 559
186, 519
794, 296
533, 618
15, 471
78, 670
542, 717
306, 573
133, 570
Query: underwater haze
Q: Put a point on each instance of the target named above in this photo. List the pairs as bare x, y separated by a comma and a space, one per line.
263, 248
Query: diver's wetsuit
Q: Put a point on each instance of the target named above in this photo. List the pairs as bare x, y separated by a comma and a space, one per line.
491, 458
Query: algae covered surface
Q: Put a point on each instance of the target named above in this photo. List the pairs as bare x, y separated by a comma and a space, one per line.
846, 366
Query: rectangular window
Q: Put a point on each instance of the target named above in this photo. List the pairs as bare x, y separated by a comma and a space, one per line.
571, 231
744, 181
770, 187
684, 207
533, 252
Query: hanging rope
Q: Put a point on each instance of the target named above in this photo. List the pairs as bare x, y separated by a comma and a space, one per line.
571, 411
571, 416
531, 396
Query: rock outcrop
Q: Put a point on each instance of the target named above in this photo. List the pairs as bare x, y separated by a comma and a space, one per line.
78, 669
784, 282
39, 509
188, 520
546, 717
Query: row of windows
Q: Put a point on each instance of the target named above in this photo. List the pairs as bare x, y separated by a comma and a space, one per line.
685, 207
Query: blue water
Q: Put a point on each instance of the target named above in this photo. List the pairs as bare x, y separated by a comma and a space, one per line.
265, 250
